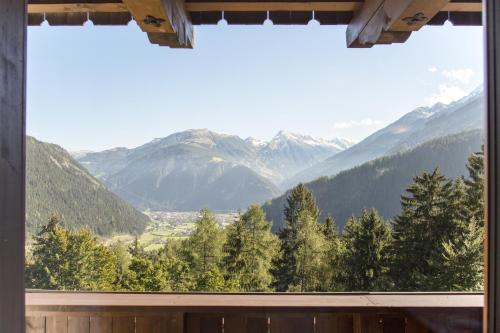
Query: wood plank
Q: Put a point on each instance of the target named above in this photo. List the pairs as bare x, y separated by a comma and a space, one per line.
378, 16
272, 6
211, 324
101, 325
413, 325
13, 20
78, 8
203, 323
193, 324
357, 323
57, 324
463, 7
123, 325
393, 324
235, 324
370, 323
285, 323
173, 322
334, 322
35, 324
66, 301
78, 324
245, 6
148, 324
246, 324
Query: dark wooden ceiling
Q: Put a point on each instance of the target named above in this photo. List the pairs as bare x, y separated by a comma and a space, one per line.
201, 12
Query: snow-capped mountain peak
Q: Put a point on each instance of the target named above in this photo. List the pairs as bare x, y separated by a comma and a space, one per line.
284, 138
255, 142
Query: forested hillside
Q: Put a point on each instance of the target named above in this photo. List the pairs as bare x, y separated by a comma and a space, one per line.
57, 184
379, 183
434, 244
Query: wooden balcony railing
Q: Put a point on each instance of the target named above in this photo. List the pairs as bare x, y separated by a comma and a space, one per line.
70, 312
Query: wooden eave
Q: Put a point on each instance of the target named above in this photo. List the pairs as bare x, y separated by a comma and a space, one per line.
169, 22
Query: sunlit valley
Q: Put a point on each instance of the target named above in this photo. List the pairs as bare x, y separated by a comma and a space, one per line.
203, 185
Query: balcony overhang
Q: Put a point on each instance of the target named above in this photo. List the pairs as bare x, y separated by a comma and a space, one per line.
170, 22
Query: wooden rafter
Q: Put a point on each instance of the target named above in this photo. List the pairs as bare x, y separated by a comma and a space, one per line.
167, 22
166, 17
378, 18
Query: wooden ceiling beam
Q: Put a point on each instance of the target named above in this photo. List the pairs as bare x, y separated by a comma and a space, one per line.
272, 6
397, 16
463, 7
77, 8
232, 6
167, 17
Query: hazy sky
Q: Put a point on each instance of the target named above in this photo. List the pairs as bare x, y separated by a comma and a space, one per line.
101, 87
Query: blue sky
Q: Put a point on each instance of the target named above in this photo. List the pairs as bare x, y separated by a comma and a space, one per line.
102, 87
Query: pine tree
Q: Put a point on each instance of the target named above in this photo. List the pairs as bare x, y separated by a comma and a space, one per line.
461, 261
330, 228
48, 269
310, 245
333, 265
92, 264
211, 280
145, 272
203, 251
461, 265
299, 201
418, 231
435, 231
122, 262
250, 249
70, 260
475, 186
233, 251
176, 268
367, 242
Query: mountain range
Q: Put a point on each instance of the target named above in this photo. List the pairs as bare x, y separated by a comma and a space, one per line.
57, 184
200, 168
416, 127
380, 182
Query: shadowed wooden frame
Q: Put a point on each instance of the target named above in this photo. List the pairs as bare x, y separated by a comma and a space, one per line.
12, 163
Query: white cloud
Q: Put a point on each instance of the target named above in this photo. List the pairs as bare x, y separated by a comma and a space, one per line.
432, 69
357, 123
446, 94
459, 75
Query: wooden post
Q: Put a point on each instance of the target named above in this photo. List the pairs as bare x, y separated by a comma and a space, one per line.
492, 150
12, 163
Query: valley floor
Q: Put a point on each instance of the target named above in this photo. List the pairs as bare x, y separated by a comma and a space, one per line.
166, 225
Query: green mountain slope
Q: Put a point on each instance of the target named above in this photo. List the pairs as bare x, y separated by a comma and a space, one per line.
379, 183
56, 183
